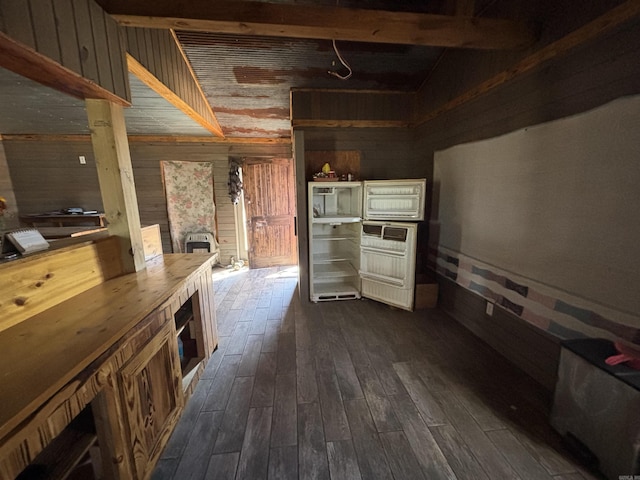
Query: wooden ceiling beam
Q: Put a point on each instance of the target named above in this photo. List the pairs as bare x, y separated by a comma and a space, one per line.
322, 22
27, 62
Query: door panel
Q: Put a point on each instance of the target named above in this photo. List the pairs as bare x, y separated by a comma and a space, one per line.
269, 193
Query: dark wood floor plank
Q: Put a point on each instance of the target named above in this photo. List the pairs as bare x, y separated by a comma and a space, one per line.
432, 460
238, 338
215, 360
180, 436
353, 341
288, 324
250, 356
165, 469
483, 449
381, 410
286, 354
285, 417
307, 390
427, 405
303, 334
265, 381
234, 421
259, 321
458, 453
270, 340
345, 372
254, 457
222, 466
283, 463
524, 464
194, 460
476, 400
371, 457
221, 387
312, 454
401, 458
552, 461
336, 362
343, 464
382, 361
334, 419
275, 310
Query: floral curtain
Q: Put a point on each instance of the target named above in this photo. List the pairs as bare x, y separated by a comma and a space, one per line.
190, 206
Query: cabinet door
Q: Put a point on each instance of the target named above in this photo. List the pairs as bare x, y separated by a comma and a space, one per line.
151, 389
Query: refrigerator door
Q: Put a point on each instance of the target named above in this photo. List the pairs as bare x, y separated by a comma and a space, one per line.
387, 262
401, 200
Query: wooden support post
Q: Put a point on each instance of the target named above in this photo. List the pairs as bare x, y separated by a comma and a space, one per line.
115, 174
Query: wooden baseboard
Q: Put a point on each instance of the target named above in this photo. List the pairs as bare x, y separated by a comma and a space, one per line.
532, 350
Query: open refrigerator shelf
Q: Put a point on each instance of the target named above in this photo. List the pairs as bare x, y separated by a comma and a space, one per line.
334, 270
336, 219
320, 258
330, 238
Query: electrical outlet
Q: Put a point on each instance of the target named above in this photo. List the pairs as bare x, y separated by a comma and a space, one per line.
490, 309
83, 161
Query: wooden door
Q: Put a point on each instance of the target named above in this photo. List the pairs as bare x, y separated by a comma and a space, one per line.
270, 202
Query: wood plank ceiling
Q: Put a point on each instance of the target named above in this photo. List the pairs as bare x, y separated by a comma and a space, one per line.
246, 77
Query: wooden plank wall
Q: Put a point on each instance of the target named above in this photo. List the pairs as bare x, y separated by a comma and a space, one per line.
6, 190
534, 351
157, 51
47, 176
589, 76
77, 34
335, 106
384, 152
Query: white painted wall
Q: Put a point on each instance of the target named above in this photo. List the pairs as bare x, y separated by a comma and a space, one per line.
557, 203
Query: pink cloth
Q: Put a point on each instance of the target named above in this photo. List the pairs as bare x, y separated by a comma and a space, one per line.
627, 355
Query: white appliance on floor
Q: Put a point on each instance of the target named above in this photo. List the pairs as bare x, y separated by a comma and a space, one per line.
361, 243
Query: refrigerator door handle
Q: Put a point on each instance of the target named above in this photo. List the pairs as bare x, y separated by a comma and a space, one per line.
380, 251
383, 278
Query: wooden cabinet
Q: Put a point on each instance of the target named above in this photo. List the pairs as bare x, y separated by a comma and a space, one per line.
107, 355
152, 399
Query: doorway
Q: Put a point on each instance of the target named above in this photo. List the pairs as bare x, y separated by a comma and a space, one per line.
270, 203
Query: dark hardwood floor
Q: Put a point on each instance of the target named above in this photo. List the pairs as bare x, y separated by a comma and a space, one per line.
356, 390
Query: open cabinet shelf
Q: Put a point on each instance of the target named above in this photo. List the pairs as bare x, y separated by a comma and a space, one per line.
189, 345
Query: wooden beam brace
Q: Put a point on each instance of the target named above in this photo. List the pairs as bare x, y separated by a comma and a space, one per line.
321, 22
115, 175
27, 62
465, 8
215, 123
169, 95
601, 25
305, 123
150, 139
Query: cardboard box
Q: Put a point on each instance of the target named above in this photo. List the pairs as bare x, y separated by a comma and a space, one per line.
426, 293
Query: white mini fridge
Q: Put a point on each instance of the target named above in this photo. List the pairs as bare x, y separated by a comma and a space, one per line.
362, 242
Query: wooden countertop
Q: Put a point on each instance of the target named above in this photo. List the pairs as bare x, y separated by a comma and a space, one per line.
43, 353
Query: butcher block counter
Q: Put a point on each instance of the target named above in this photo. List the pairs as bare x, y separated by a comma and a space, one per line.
97, 374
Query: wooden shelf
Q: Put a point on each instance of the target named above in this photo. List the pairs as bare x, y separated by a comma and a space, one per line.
65, 452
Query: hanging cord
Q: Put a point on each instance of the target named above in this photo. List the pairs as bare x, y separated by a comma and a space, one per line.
343, 62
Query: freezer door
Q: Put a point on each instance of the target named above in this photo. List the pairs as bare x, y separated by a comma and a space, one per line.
387, 263
394, 199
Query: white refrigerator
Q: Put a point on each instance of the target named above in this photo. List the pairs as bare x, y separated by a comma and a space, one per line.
362, 240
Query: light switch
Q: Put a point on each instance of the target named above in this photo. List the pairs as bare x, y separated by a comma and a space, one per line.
83, 161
